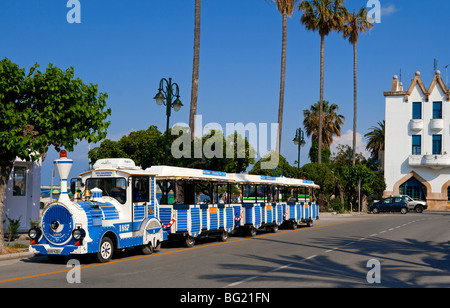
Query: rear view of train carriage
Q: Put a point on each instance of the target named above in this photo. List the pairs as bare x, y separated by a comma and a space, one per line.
113, 208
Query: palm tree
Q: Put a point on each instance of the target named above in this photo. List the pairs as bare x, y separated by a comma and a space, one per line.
331, 119
375, 138
323, 16
356, 23
286, 8
195, 69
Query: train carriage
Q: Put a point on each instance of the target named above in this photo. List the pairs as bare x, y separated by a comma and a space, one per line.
258, 209
299, 207
190, 216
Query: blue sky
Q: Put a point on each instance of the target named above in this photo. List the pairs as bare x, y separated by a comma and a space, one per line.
126, 47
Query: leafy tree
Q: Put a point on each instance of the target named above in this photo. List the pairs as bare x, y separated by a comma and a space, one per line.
375, 138
145, 148
344, 156
314, 153
323, 176
288, 170
40, 109
331, 123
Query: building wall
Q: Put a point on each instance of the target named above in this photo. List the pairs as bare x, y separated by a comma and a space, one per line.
433, 171
22, 202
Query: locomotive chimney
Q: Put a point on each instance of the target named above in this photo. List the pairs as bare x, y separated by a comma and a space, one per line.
63, 166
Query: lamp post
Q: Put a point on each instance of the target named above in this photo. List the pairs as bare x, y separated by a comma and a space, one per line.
300, 141
166, 92
165, 97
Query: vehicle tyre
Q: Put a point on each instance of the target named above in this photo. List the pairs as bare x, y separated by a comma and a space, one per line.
223, 237
404, 210
189, 241
105, 252
376, 210
309, 223
275, 228
419, 209
252, 231
146, 249
294, 224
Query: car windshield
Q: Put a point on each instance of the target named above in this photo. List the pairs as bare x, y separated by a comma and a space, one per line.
112, 187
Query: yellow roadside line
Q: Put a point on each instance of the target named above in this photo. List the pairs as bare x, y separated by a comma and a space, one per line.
176, 251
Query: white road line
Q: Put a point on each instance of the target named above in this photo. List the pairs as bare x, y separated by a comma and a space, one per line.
242, 281
310, 257
282, 267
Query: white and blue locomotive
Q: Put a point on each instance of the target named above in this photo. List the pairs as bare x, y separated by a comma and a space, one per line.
118, 211
115, 206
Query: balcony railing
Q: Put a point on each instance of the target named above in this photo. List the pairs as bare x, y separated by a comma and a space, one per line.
430, 161
416, 124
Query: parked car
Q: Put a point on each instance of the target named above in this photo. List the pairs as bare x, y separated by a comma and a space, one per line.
415, 205
391, 204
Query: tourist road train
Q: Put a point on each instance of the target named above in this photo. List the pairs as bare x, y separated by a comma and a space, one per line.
118, 205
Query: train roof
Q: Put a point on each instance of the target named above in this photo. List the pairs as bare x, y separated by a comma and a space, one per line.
181, 173
128, 166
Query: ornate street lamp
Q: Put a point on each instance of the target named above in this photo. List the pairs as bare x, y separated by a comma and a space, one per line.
300, 141
166, 92
165, 97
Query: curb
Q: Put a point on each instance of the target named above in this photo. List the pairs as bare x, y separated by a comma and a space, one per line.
17, 255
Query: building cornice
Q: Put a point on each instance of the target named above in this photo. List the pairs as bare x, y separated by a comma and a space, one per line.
397, 87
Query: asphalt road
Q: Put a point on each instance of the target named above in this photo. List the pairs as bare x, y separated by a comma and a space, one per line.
387, 250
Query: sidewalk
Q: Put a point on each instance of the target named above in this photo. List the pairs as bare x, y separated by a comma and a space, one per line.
16, 255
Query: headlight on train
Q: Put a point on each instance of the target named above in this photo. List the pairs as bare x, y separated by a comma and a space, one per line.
34, 234
78, 234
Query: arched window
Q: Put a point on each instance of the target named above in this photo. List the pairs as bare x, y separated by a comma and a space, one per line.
414, 189
448, 193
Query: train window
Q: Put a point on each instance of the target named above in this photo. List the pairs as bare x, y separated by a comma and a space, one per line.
141, 189
112, 187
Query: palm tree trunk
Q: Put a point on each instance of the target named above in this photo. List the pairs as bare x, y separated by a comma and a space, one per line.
355, 92
195, 70
322, 48
282, 83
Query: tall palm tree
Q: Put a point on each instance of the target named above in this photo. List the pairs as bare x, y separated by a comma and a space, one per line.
195, 69
356, 23
331, 119
375, 138
323, 16
286, 8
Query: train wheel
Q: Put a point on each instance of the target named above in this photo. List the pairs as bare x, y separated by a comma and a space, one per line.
146, 249
106, 250
275, 228
189, 241
223, 236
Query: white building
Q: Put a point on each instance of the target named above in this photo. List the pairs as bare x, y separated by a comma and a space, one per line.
417, 141
23, 194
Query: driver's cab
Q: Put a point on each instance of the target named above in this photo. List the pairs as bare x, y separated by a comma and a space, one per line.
128, 188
